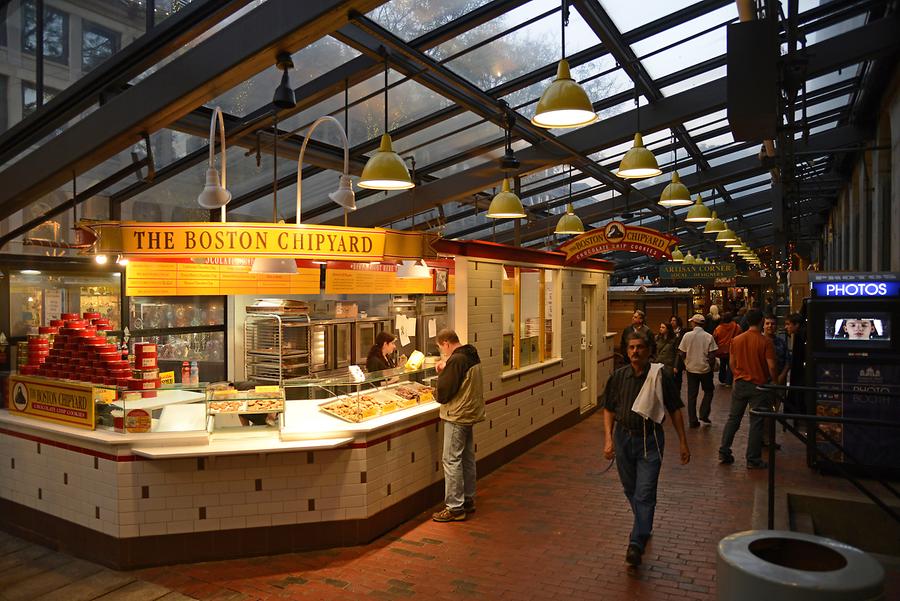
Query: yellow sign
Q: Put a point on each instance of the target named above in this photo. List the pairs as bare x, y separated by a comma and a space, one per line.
167, 377
63, 402
361, 278
616, 235
197, 239
173, 278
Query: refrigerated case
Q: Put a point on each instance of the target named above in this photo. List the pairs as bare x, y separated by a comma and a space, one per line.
320, 347
364, 333
433, 317
342, 343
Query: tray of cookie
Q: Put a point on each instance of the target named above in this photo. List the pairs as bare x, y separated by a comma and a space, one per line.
353, 409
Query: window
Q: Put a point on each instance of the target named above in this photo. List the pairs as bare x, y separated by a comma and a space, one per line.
3, 24
29, 97
4, 105
56, 32
527, 316
97, 44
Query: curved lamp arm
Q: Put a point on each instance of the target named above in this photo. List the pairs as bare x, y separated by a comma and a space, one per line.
303, 150
217, 112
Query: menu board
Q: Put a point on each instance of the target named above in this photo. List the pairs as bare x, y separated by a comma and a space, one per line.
183, 277
363, 278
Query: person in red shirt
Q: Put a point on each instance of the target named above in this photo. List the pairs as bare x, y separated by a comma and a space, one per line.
724, 334
753, 364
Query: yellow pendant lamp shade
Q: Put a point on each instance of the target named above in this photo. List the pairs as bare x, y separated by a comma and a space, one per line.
726, 235
689, 259
564, 103
385, 170
699, 213
714, 225
570, 223
736, 243
638, 162
675, 194
677, 255
506, 205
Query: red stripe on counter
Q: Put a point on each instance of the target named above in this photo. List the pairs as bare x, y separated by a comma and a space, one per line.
71, 447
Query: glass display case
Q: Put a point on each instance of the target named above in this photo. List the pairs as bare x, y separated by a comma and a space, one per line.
171, 408
356, 397
258, 408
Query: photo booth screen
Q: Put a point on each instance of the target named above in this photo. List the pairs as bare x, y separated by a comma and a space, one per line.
868, 329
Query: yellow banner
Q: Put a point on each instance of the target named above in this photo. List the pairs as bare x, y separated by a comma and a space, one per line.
63, 402
247, 240
616, 235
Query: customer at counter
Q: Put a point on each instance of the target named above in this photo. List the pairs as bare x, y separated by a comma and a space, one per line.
381, 355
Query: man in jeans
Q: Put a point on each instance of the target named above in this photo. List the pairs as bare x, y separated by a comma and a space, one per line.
638, 443
753, 364
459, 392
697, 351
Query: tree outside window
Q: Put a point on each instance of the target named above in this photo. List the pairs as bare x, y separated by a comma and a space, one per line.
29, 97
98, 43
56, 32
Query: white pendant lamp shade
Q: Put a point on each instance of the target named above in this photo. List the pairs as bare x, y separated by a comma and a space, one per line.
638, 162
413, 269
385, 170
506, 205
214, 194
344, 195
677, 255
564, 104
570, 223
699, 213
714, 225
675, 194
274, 266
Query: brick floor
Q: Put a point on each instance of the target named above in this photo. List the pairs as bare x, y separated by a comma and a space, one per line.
552, 524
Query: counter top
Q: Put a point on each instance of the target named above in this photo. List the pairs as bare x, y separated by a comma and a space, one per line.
303, 420
240, 446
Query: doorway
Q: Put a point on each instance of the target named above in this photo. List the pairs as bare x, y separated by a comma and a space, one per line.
588, 375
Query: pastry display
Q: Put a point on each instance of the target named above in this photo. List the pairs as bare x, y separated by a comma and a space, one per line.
264, 405
225, 406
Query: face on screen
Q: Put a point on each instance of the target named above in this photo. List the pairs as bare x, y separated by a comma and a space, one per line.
859, 329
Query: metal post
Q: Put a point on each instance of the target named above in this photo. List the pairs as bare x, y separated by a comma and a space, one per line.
39, 54
770, 426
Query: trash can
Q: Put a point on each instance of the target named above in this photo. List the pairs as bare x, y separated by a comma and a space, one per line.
777, 565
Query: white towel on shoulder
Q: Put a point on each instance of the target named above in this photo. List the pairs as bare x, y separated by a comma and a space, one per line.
649, 401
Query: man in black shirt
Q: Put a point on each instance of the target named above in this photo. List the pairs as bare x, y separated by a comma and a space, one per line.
638, 443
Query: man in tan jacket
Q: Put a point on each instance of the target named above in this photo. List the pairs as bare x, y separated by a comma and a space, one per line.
460, 394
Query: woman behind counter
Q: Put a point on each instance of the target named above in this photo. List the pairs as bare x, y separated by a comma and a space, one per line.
381, 355
666, 346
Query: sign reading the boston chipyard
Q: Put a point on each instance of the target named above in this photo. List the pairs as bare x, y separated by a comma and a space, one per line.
615, 235
680, 271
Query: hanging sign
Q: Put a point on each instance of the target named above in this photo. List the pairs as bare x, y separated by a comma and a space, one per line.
67, 403
680, 271
249, 240
615, 235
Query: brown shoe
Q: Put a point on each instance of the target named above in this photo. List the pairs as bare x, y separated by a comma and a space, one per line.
445, 515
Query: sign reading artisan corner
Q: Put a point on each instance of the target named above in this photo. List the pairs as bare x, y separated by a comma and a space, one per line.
66, 403
615, 235
244, 240
680, 271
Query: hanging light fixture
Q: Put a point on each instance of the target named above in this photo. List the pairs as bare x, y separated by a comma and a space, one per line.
284, 93
564, 104
506, 205
570, 223
699, 213
736, 243
689, 259
385, 170
214, 194
409, 269
714, 225
638, 162
344, 195
677, 255
726, 235
675, 194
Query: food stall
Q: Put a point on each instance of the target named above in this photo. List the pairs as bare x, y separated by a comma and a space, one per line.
159, 470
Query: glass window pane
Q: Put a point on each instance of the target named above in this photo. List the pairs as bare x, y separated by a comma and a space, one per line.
509, 314
530, 309
37, 299
626, 16
56, 32
409, 19
549, 287
98, 43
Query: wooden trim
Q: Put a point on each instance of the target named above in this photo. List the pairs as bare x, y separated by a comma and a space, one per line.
481, 249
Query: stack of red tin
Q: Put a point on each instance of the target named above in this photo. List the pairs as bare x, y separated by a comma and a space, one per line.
79, 351
145, 375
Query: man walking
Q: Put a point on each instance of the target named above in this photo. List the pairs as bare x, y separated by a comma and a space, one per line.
459, 392
638, 326
697, 350
753, 364
638, 443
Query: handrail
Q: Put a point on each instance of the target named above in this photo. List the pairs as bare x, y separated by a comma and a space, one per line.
894, 395
771, 417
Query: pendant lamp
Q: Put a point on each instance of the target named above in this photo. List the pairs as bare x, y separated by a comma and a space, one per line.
215, 195
736, 243
570, 223
689, 259
638, 162
714, 225
677, 255
675, 194
726, 235
564, 104
506, 205
408, 270
699, 213
385, 170
344, 195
